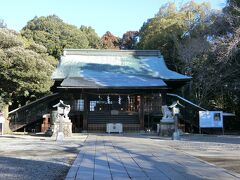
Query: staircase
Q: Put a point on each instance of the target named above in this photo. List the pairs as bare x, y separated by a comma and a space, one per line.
106, 117
30, 113
97, 121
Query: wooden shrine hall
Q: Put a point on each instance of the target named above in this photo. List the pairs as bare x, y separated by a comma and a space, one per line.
114, 86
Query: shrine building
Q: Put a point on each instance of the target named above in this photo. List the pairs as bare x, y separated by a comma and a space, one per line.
114, 86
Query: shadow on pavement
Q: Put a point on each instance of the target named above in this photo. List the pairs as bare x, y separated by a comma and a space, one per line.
16, 168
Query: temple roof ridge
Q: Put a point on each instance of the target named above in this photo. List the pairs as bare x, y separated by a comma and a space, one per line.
111, 52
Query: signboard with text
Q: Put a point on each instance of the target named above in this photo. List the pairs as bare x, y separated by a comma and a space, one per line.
210, 119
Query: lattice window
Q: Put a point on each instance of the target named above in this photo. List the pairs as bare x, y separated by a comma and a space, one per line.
79, 105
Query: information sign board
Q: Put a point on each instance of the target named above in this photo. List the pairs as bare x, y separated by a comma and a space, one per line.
210, 119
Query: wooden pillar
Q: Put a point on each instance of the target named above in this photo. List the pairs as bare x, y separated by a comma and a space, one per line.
85, 114
141, 112
164, 98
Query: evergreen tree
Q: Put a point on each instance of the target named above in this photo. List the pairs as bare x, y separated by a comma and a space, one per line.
25, 68
56, 35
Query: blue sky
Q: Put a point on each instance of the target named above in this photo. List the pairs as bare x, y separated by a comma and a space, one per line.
116, 16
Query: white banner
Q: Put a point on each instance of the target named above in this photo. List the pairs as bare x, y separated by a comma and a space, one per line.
210, 119
2, 119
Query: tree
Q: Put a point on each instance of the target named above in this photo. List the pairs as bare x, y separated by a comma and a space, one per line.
25, 68
54, 34
225, 57
171, 28
109, 41
214, 59
93, 39
129, 40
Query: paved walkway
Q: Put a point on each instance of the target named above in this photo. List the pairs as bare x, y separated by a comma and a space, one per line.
115, 157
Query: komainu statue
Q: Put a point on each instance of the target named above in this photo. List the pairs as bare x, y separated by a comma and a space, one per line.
167, 115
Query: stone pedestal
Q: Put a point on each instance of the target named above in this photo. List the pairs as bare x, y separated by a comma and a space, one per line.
168, 120
166, 129
67, 127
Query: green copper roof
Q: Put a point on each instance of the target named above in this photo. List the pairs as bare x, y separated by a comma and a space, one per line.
109, 68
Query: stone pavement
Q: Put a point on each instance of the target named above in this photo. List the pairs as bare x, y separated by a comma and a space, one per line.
122, 157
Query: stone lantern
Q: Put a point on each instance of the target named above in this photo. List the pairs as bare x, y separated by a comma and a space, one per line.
176, 111
62, 126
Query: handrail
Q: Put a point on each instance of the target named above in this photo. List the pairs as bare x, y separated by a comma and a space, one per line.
187, 101
31, 103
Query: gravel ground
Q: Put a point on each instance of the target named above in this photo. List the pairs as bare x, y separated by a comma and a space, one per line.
223, 151
24, 157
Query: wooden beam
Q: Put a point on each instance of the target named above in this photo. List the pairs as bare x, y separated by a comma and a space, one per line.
85, 113
141, 113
